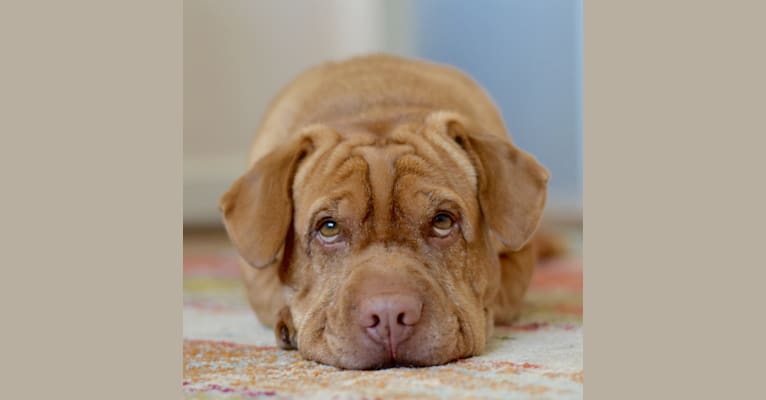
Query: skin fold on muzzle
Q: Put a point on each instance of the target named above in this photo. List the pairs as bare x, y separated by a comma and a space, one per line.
391, 226
390, 311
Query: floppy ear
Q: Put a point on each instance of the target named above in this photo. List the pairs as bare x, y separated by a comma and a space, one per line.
257, 209
512, 184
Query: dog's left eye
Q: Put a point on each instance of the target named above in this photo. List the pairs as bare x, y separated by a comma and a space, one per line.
442, 224
329, 230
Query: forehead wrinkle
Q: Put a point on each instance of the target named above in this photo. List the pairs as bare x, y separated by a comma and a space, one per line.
342, 151
446, 146
327, 160
307, 168
437, 149
348, 168
324, 141
413, 164
381, 176
420, 145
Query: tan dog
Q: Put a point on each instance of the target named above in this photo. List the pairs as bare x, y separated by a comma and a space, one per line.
386, 217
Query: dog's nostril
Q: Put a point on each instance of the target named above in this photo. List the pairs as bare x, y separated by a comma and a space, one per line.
375, 321
400, 319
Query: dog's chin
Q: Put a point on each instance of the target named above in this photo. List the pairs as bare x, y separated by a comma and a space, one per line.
371, 359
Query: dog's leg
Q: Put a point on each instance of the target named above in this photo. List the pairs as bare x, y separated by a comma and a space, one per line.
515, 273
264, 292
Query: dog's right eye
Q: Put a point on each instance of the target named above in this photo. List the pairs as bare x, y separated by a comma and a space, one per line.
442, 224
329, 231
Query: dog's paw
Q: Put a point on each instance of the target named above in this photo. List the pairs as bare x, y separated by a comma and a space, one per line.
284, 330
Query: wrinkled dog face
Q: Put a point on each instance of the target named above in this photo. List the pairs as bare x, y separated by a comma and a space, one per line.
382, 271
386, 249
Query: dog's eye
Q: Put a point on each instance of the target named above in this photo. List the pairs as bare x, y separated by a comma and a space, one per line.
442, 224
329, 230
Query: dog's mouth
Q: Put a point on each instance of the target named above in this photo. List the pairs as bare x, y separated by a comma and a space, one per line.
391, 360
396, 326
391, 364
359, 350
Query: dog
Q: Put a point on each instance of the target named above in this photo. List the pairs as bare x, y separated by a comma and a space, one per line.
386, 218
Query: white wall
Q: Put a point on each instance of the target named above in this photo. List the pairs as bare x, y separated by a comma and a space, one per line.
237, 55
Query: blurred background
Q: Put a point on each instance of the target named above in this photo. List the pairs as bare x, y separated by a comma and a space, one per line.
238, 54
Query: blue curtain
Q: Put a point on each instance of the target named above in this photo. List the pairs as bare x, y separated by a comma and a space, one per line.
528, 54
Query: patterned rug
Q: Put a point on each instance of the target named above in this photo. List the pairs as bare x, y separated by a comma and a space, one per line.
228, 354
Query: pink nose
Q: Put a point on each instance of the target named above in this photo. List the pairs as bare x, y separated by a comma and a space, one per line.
389, 319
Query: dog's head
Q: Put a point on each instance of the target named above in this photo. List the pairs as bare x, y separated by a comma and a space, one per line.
387, 243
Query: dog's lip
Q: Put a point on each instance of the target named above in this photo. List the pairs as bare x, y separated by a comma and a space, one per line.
395, 364
391, 349
390, 357
379, 356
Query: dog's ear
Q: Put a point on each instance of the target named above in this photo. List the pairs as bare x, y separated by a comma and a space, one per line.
257, 210
512, 184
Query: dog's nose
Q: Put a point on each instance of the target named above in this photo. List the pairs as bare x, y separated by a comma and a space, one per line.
389, 319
